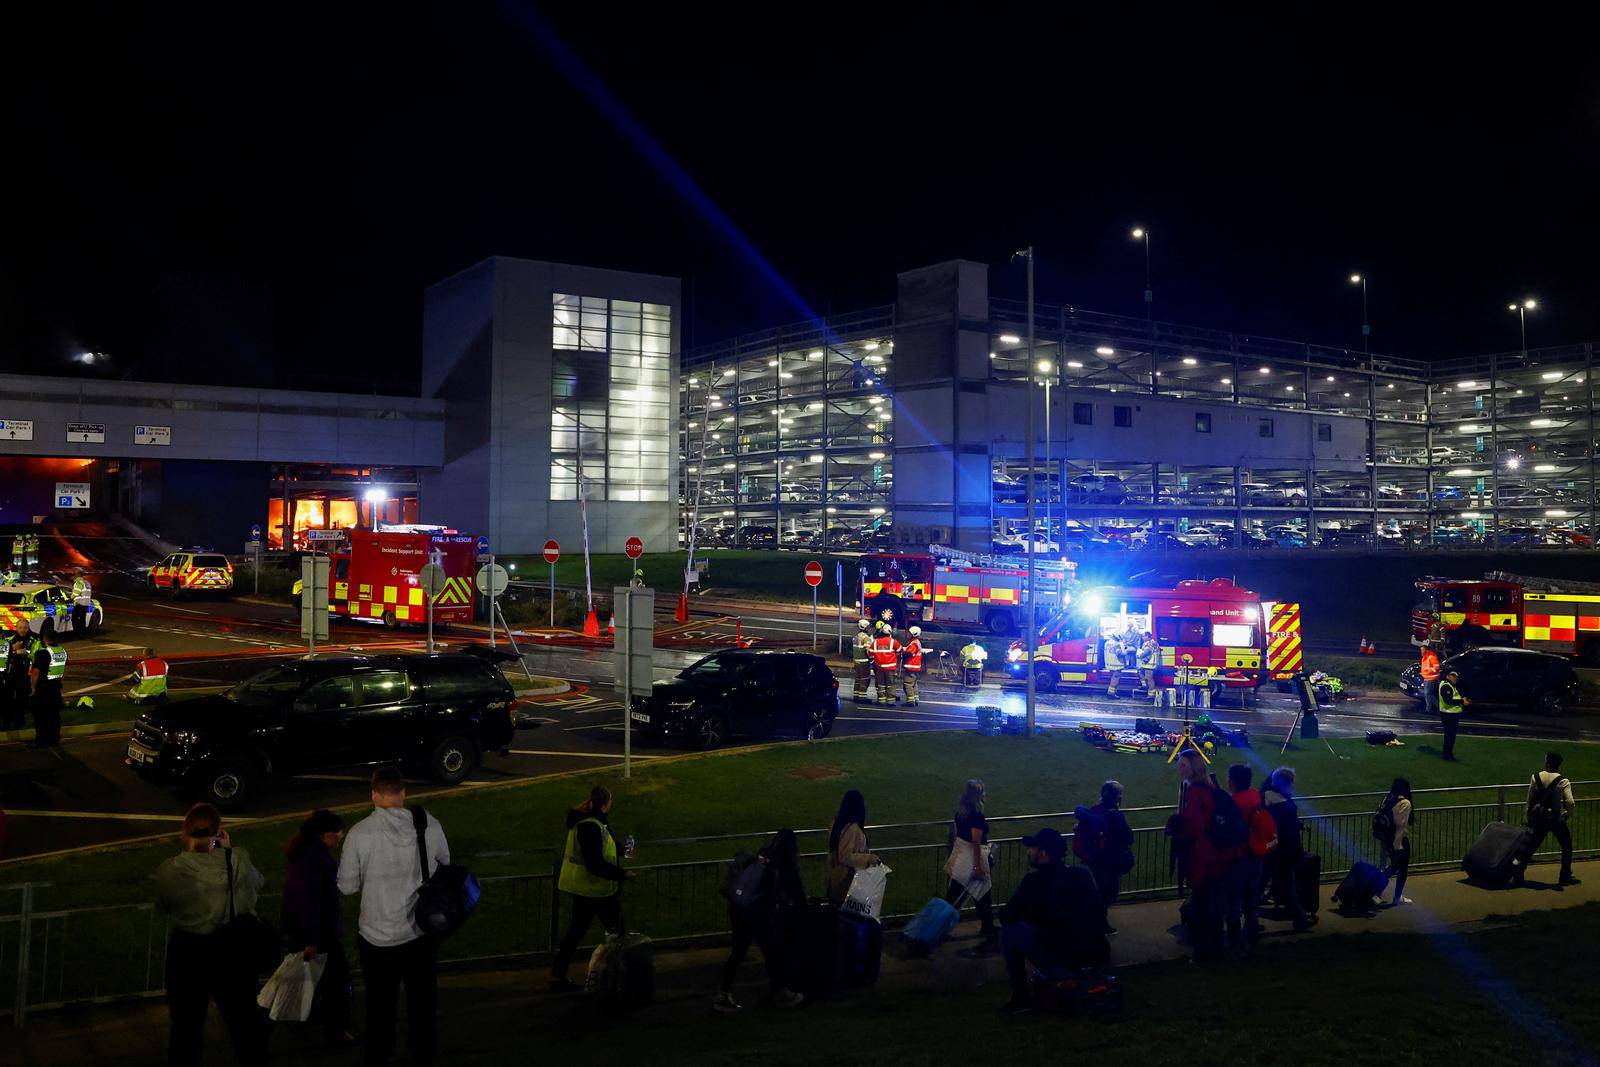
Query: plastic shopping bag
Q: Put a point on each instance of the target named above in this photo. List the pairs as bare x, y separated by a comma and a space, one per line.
866, 893
961, 868
288, 994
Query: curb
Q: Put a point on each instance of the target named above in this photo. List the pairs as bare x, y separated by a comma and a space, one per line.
89, 729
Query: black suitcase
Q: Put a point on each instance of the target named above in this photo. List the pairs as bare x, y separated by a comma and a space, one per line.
814, 937
1308, 880
628, 979
1356, 892
860, 951
1499, 853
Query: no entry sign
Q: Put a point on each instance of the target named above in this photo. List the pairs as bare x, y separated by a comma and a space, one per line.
552, 550
813, 574
633, 547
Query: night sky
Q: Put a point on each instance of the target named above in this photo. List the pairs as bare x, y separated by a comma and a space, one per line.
340, 163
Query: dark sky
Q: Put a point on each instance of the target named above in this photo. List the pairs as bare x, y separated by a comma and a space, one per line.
342, 162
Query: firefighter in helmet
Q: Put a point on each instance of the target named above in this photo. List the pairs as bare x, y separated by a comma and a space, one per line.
911, 665
885, 663
861, 660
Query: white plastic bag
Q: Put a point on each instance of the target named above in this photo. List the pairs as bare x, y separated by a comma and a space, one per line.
288, 994
960, 866
866, 893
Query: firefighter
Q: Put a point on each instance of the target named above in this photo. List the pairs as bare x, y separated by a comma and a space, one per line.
1113, 665
1430, 677
47, 671
33, 550
1148, 656
19, 552
973, 656
1451, 705
861, 660
911, 666
885, 664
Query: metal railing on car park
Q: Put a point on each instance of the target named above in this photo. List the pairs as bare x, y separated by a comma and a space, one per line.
51, 958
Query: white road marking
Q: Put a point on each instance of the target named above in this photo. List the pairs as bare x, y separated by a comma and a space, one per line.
576, 755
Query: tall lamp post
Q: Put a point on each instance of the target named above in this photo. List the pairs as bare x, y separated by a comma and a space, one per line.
1140, 233
1522, 310
1046, 368
1366, 327
1031, 636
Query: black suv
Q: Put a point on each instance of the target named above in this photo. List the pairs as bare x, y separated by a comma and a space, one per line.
738, 691
433, 713
1534, 681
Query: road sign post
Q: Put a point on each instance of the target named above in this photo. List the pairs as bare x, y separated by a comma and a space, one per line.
552, 552
813, 579
313, 600
433, 580
838, 581
633, 655
491, 582
255, 540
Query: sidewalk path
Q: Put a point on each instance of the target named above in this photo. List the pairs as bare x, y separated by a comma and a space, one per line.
494, 1016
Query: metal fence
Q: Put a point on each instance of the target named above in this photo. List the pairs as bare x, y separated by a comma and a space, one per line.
53, 958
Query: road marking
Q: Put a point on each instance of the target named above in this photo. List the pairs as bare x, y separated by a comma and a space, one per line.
595, 726
190, 611
576, 755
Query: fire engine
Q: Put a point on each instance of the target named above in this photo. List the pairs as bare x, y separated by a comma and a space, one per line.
376, 575
1549, 615
1216, 627
952, 589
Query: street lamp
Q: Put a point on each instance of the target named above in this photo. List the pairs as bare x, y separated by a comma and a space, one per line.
1522, 310
1366, 327
1031, 636
1142, 234
1047, 369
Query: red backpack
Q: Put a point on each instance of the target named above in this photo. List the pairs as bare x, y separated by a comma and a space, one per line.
1263, 832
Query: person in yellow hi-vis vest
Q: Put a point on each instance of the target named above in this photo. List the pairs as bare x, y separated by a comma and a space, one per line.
590, 878
1451, 705
861, 660
149, 679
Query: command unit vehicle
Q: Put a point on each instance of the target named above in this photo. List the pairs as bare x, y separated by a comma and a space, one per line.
377, 575
434, 714
1558, 616
1213, 627
954, 590
40, 607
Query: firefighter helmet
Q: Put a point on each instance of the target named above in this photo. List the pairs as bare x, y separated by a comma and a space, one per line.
883, 627
916, 631
863, 624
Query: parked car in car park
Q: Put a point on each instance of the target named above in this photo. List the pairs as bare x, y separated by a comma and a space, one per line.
1509, 677
1096, 489
738, 692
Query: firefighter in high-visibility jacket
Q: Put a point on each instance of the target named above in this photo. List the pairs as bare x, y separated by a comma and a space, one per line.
973, 656
885, 663
861, 660
1430, 678
911, 666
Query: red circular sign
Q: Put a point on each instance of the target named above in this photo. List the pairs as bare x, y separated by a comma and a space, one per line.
552, 550
634, 548
813, 573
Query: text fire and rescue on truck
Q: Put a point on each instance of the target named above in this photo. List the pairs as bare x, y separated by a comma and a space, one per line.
377, 575
1546, 614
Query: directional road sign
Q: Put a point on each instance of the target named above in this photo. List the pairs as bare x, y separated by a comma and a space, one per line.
93, 433
16, 429
483, 543
72, 494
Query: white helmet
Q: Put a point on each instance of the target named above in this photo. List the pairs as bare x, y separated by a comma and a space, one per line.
863, 624
916, 631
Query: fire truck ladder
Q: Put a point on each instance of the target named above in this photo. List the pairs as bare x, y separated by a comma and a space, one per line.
1545, 585
946, 554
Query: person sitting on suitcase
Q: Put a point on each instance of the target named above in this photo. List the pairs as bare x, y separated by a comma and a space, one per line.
767, 919
1550, 805
1055, 920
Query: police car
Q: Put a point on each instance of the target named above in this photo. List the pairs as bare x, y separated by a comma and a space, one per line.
43, 607
192, 572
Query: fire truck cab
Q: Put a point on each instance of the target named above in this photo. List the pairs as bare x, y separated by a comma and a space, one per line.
1214, 627
1472, 611
951, 589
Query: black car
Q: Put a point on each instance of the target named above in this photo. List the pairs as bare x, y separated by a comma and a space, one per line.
435, 714
1518, 677
740, 691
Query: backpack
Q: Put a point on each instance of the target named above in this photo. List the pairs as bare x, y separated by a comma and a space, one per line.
1263, 832
1383, 822
745, 882
1089, 839
448, 895
1546, 807
1227, 830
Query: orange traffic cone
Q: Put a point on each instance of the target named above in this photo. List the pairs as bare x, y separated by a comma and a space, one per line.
682, 614
1361, 650
1372, 648
611, 627
591, 625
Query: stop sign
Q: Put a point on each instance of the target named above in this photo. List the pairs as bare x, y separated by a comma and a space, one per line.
813, 573
552, 550
633, 547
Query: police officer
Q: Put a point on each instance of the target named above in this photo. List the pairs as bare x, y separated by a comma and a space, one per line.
885, 663
911, 666
14, 680
82, 603
1451, 705
861, 660
48, 670
973, 656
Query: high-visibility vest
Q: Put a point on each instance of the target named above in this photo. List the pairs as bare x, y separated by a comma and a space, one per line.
151, 677
58, 664
914, 655
1430, 665
1147, 656
859, 649
886, 652
576, 878
973, 655
1450, 702
1113, 656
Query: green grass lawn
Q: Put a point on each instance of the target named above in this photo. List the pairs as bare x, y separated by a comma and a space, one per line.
1508, 993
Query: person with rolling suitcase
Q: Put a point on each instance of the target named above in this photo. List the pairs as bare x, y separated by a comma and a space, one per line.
1296, 874
968, 864
765, 896
1550, 805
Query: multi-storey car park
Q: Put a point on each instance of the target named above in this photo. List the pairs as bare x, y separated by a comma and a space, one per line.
906, 424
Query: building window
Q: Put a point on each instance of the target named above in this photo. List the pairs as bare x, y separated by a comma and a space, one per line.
1202, 422
1265, 429
1083, 414
1325, 431
611, 395
1122, 415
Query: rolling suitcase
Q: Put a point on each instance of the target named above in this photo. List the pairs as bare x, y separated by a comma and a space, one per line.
1308, 880
815, 934
1361, 884
627, 970
930, 926
1498, 855
860, 951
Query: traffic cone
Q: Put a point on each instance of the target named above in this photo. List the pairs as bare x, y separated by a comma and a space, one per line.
1361, 650
611, 627
1372, 648
591, 625
682, 614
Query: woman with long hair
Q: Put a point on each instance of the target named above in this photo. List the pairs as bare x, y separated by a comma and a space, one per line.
312, 923
1398, 848
765, 919
847, 846
969, 852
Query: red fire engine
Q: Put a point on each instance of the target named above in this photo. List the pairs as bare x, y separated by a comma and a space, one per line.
1215, 625
1550, 615
953, 589
377, 575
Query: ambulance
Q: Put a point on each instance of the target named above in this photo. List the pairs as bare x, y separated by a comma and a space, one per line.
377, 576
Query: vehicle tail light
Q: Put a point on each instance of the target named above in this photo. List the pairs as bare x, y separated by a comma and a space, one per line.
835, 682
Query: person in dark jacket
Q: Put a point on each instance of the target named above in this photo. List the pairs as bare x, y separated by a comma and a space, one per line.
767, 920
311, 919
1055, 920
591, 879
14, 660
1114, 856
1278, 798
1205, 867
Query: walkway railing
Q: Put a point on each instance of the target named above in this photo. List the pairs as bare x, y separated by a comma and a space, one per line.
53, 958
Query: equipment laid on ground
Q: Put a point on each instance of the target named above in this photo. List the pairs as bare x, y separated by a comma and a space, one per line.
378, 576
1361, 884
991, 720
1499, 854
1560, 616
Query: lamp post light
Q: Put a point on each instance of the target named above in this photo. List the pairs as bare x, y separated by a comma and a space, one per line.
1031, 635
1047, 369
1366, 327
1140, 233
1522, 310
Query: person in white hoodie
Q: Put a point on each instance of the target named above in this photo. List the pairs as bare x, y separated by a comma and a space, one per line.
380, 862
